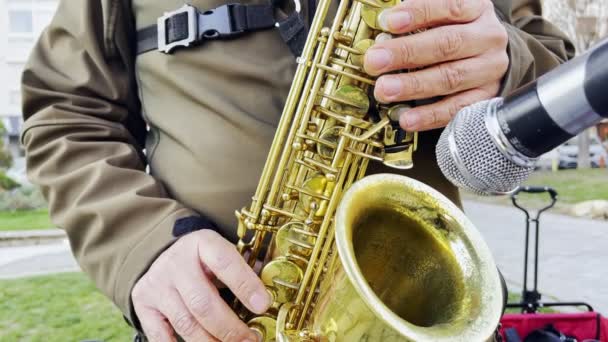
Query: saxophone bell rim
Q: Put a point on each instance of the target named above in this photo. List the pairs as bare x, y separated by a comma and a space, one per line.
491, 308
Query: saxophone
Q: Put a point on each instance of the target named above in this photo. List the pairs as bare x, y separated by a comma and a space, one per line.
347, 257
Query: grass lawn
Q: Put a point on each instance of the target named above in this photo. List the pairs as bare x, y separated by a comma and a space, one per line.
25, 220
64, 307
572, 186
67, 307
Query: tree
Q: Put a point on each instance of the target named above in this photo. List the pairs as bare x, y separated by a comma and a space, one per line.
585, 22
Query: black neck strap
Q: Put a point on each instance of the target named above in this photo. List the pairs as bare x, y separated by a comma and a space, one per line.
294, 31
187, 26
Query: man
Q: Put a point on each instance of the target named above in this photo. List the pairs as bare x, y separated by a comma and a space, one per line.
155, 242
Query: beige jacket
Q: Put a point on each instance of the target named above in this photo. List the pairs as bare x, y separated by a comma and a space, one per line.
211, 110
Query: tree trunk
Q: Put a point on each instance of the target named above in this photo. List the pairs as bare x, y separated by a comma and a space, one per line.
584, 162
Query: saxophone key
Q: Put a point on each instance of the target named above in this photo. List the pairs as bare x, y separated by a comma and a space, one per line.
299, 145
371, 10
343, 38
291, 240
283, 277
328, 141
264, 326
382, 37
361, 46
290, 196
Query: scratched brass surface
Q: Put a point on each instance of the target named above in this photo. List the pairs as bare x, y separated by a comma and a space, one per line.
407, 265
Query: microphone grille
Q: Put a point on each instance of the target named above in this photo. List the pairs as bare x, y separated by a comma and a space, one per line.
472, 161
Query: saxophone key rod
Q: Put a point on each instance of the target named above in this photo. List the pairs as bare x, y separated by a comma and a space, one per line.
346, 65
326, 234
302, 115
301, 85
350, 49
320, 166
350, 120
341, 100
347, 74
285, 213
309, 193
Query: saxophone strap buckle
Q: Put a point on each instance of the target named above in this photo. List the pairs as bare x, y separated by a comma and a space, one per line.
187, 26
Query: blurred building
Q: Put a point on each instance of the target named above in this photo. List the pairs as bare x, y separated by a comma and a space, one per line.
21, 22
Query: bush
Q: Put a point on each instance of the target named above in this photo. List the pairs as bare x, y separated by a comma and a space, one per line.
6, 160
6, 182
24, 198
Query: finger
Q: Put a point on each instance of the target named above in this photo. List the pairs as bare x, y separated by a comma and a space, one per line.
441, 44
182, 321
154, 325
208, 308
443, 79
412, 15
440, 113
229, 266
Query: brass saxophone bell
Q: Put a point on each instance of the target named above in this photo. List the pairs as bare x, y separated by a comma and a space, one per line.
411, 267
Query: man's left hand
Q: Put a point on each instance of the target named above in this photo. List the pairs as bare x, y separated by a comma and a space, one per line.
461, 55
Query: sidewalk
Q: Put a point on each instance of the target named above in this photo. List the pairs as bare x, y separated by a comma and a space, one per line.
573, 252
22, 261
31, 237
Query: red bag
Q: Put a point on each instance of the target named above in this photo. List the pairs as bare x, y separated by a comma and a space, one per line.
586, 325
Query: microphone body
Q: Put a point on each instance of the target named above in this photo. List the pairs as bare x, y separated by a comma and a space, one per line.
492, 146
559, 105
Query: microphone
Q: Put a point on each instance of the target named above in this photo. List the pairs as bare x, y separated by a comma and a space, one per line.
491, 147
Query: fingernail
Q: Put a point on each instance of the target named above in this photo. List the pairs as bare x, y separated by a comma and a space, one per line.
377, 59
394, 21
259, 301
410, 120
390, 86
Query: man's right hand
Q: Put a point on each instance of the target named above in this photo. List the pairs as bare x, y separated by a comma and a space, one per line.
177, 294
